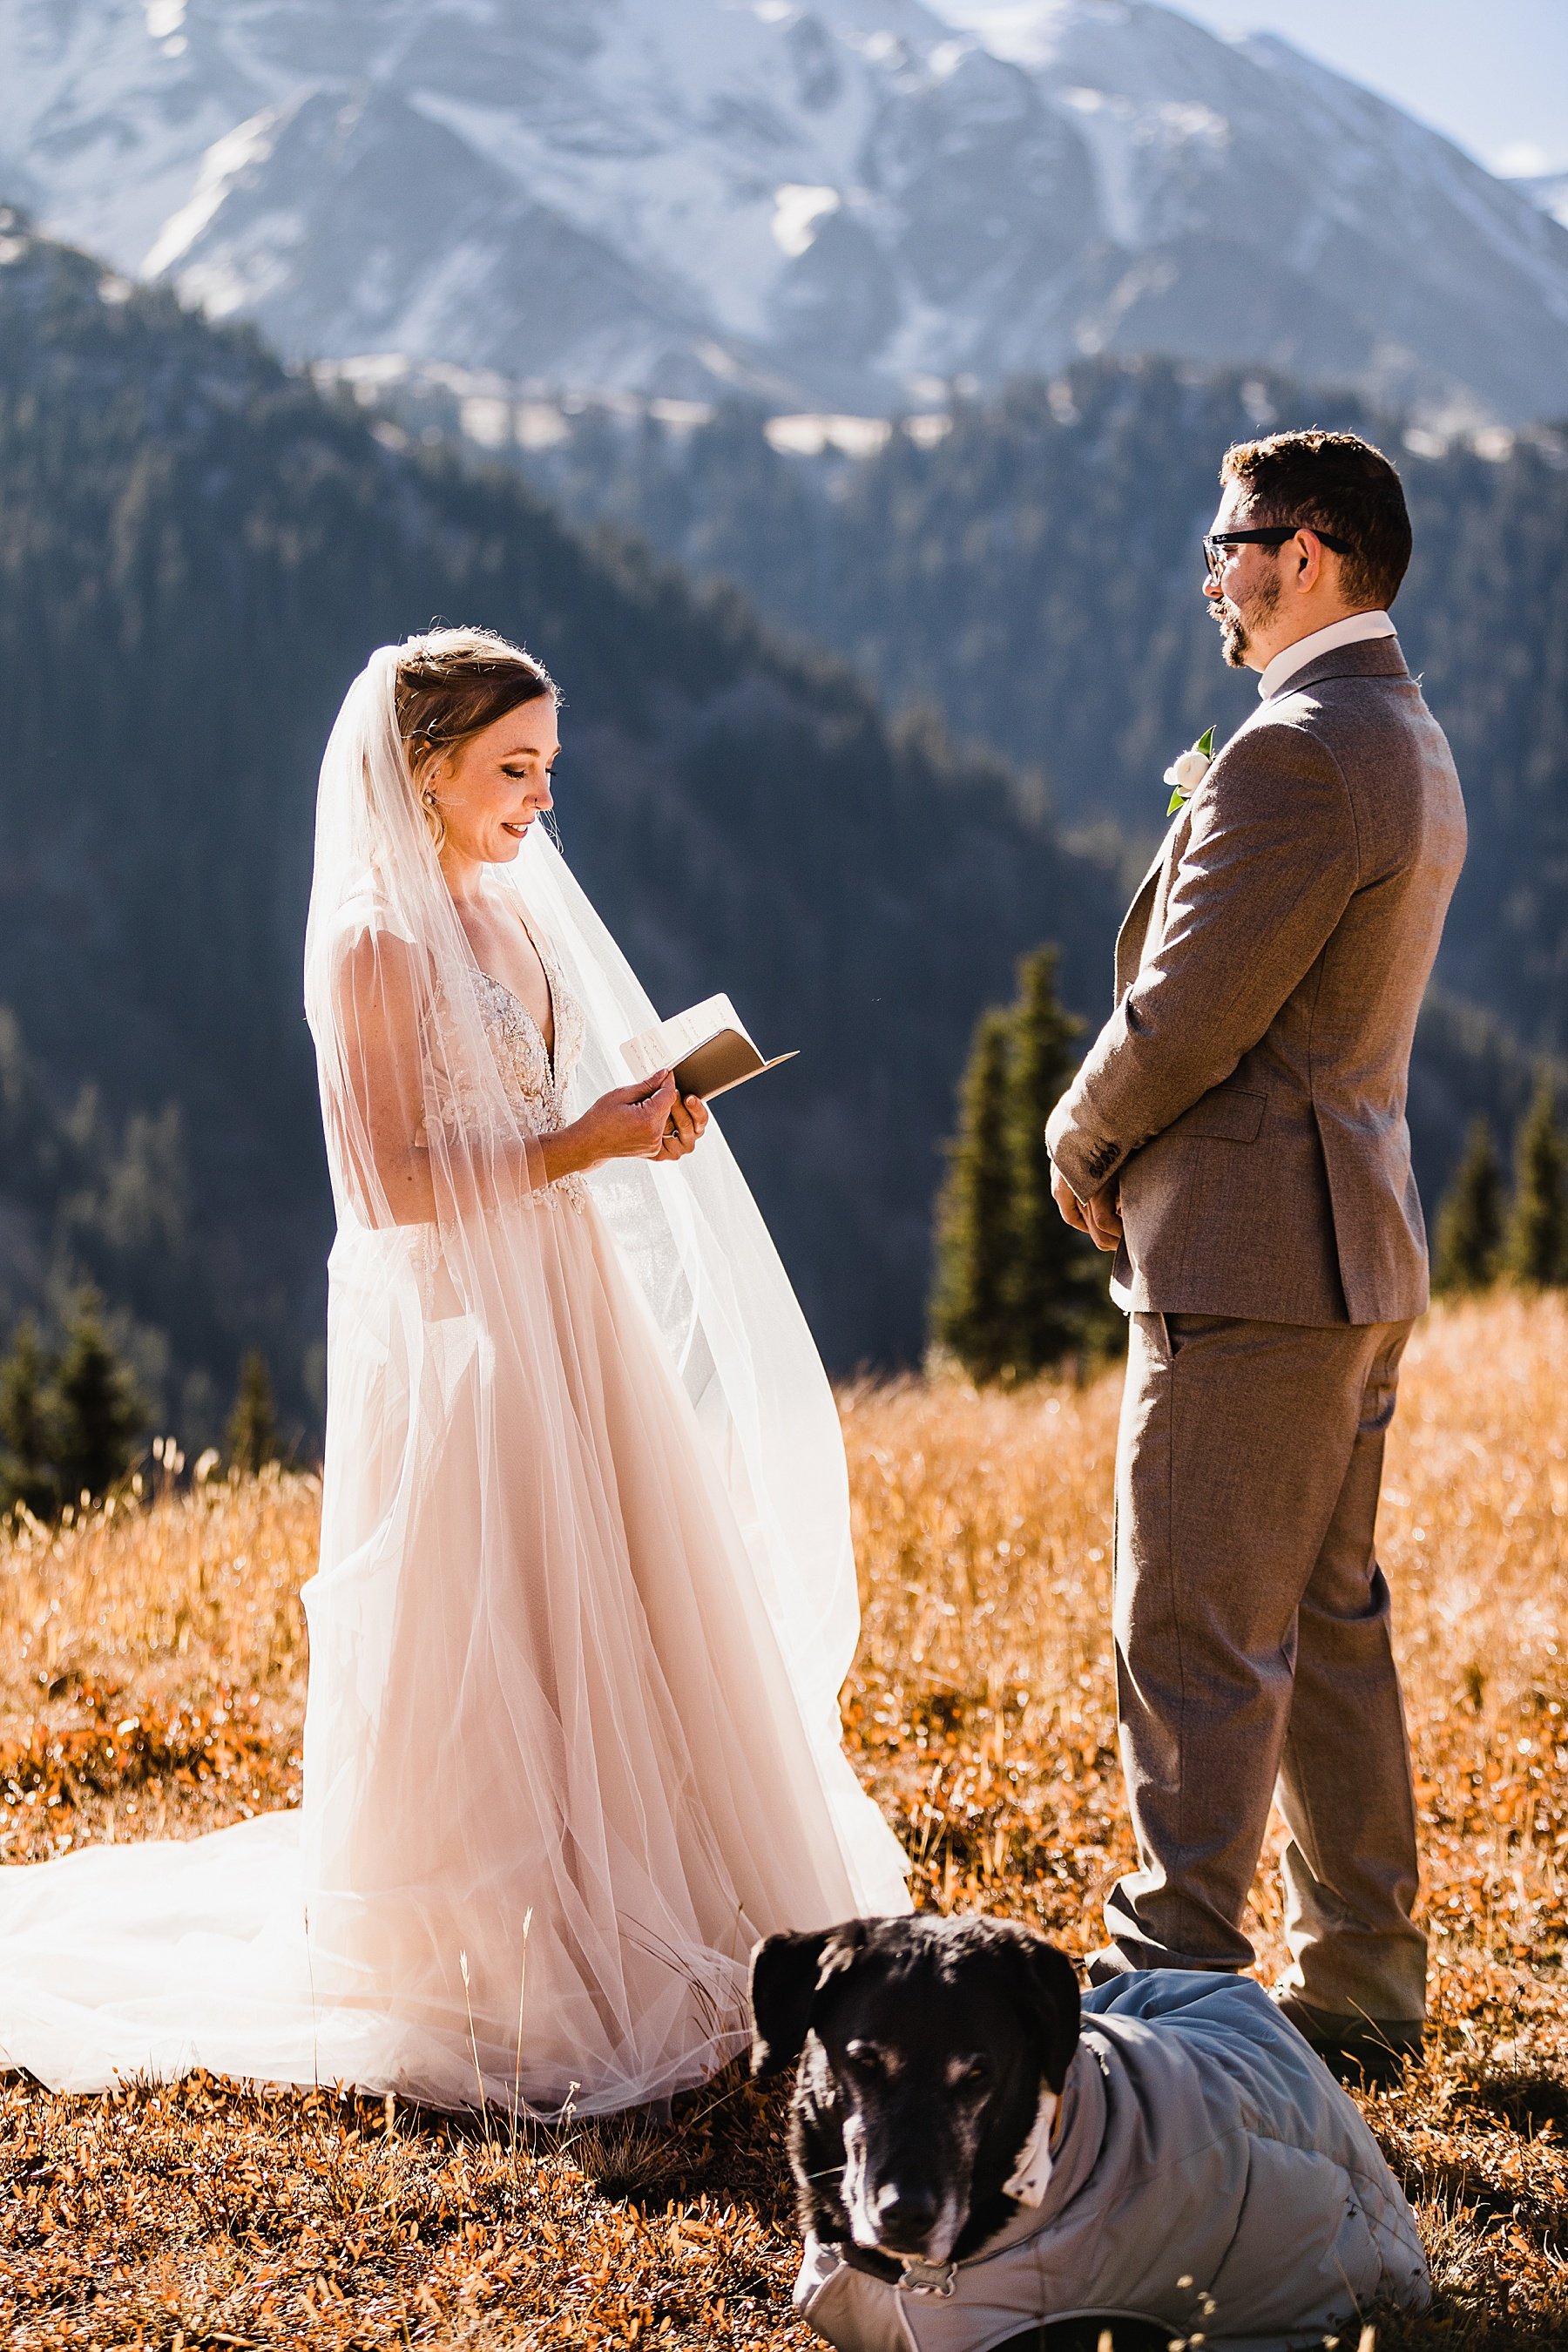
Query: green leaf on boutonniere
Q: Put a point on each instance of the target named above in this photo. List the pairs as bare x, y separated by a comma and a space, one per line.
1184, 774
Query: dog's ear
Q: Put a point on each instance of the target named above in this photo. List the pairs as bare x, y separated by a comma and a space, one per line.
785, 1971
788, 1974
1050, 2002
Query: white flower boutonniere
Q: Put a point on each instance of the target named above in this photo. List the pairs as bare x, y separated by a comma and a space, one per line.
1187, 772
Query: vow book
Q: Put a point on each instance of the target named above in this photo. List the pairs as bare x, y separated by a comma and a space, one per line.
708, 1048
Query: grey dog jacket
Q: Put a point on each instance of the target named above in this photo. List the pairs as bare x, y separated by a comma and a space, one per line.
1207, 2172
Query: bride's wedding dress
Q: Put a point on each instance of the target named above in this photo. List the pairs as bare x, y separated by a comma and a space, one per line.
583, 1606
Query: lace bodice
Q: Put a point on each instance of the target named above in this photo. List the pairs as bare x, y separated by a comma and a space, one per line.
535, 1080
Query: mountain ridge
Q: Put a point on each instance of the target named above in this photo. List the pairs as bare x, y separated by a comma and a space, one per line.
1033, 570
848, 203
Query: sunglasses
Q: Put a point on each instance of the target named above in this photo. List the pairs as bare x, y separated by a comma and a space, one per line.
1272, 534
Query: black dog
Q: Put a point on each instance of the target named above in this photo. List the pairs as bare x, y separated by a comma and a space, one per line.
1206, 2160
929, 2048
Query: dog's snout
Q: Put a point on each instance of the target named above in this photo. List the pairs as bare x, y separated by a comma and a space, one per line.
906, 2213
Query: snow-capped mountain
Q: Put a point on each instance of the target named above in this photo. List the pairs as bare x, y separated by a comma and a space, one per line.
847, 203
1549, 190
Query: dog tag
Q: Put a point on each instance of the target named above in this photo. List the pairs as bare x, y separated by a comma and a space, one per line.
927, 2278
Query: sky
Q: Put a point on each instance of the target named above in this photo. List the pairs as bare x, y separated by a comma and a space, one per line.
1493, 74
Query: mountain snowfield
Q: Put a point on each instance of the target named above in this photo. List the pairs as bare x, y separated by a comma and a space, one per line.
847, 205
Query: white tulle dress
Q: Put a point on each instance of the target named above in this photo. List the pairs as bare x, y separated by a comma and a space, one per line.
583, 1603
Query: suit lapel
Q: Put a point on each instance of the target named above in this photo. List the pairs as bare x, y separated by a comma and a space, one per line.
1131, 938
1366, 657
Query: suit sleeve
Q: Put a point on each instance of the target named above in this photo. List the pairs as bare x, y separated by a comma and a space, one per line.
1268, 866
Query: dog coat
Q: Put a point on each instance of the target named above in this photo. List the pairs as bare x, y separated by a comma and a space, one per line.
1208, 2173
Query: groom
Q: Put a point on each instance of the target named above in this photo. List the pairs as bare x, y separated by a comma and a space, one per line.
1236, 1134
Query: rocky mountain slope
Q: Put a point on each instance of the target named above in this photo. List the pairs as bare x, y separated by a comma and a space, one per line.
831, 202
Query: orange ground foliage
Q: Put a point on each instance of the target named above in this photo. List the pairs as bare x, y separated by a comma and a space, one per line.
154, 1683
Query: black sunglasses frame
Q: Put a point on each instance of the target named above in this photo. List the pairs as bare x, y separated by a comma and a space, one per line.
1273, 534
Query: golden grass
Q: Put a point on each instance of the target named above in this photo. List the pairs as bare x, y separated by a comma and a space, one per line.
153, 1681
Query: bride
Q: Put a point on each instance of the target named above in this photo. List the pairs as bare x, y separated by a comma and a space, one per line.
585, 1592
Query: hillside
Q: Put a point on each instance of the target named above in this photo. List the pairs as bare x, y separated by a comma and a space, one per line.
981, 1715
196, 551
1034, 573
843, 203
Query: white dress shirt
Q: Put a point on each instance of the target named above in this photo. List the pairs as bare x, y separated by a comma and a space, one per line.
1349, 632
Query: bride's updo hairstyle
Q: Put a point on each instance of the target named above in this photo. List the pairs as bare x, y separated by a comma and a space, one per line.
452, 684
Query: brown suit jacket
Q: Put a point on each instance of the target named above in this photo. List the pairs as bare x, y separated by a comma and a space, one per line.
1248, 1094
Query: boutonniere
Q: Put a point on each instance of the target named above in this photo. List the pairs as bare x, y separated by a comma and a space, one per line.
1187, 771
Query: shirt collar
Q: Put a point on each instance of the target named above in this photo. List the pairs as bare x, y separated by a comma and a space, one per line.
1351, 630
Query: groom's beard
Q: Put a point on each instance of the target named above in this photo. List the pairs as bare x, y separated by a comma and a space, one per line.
1235, 625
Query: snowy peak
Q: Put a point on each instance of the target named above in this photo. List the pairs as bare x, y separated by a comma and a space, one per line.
840, 203
1549, 190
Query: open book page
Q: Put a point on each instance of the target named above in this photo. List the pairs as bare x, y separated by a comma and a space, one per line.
710, 1049
671, 1042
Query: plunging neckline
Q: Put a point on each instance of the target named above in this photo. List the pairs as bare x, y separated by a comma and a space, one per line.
550, 1042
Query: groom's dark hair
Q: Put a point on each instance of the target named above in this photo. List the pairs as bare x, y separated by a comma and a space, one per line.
1338, 483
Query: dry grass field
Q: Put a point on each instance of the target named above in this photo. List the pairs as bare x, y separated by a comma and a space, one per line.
152, 1682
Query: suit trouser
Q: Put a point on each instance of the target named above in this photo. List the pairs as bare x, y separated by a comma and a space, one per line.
1253, 1656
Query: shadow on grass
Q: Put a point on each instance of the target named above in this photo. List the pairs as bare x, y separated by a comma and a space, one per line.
723, 2142
1448, 2327
1526, 2103
1465, 2193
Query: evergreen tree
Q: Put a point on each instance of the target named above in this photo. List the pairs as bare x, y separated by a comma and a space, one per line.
972, 1308
1536, 1253
253, 1438
1471, 1221
98, 1411
1054, 1288
27, 1432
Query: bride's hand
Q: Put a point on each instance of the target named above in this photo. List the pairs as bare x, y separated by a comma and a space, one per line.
683, 1130
628, 1123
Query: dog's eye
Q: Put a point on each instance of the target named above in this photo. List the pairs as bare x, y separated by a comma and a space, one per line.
863, 2057
977, 2071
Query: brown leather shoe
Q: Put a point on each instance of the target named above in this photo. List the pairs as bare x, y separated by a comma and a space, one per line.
1365, 2053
